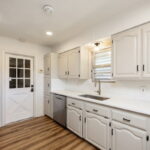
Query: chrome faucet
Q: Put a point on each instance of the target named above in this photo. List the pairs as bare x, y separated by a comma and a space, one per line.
99, 87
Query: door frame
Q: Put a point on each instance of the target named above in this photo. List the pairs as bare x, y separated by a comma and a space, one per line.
3, 103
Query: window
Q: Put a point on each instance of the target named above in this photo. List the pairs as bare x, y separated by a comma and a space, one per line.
102, 64
19, 73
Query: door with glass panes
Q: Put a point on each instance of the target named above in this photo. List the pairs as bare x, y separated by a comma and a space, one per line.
19, 88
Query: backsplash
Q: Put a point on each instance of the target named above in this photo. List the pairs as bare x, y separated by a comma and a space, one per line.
135, 90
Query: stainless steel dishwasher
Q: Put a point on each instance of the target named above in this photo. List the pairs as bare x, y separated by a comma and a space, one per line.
59, 109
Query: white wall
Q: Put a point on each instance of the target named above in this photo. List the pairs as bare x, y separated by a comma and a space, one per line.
120, 22
130, 18
24, 48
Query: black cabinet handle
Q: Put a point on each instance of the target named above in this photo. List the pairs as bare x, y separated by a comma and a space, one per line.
127, 120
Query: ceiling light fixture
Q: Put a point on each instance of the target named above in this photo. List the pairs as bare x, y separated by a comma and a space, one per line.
49, 33
48, 9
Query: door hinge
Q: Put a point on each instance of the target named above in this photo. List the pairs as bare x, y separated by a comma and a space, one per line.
147, 138
143, 67
112, 132
79, 75
110, 124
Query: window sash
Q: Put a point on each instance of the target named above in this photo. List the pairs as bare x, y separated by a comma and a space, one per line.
102, 64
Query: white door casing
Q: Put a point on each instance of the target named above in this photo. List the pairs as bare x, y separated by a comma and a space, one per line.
18, 94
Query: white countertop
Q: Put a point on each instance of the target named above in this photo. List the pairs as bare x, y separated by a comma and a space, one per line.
138, 106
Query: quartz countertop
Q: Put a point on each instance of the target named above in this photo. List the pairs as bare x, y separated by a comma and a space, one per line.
138, 106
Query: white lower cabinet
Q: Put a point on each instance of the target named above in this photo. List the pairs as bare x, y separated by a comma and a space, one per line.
74, 120
97, 130
125, 137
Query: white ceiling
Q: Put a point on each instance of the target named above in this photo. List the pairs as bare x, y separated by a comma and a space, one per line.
25, 19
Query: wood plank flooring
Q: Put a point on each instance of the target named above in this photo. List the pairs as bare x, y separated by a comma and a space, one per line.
40, 134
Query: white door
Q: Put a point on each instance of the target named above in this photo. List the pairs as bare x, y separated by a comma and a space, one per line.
146, 50
97, 131
63, 65
74, 120
128, 138
74, 63
126, 54
19, 88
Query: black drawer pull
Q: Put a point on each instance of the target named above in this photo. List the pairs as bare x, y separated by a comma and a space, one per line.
95, 110
127, 120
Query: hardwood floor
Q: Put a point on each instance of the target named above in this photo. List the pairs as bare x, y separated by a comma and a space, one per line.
40, 134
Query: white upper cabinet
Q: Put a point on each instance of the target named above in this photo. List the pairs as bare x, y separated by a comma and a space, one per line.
74, 64
126, 53
47, 65
146, 50
63, 65
96, 130
128, 138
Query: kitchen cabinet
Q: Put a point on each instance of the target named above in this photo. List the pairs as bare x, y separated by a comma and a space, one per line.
131, 53
47, 65
146, 50
127, 138
47, 105
63, 65
97, 130
74, 64
50, 73
74, 120
126, 54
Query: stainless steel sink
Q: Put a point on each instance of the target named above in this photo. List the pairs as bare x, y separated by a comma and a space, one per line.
94, 97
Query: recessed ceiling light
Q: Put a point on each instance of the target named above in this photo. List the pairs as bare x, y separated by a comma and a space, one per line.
49, 33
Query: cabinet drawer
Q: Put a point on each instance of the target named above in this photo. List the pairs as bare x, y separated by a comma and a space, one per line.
74, 103
138, 121
99, 110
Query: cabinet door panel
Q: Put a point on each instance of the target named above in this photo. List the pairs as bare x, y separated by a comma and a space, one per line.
47, 64
74, 120
74, 63
127, 138
126, 53
63, 65
97, 130
47, 106
146, 50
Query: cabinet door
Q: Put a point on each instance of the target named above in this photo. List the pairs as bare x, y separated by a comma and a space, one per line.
63, 65
47, 86
47, 106
127, 138
97, 131
74, 120
126, 54
74, 63
146, 50
47, 59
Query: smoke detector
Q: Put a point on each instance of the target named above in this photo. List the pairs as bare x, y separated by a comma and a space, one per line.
48, 9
